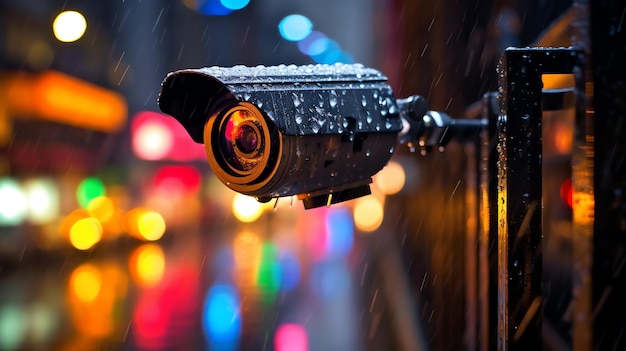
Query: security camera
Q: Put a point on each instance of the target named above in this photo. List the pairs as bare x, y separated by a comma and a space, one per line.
316, 131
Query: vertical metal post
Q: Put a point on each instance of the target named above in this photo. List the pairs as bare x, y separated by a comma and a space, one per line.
520, 192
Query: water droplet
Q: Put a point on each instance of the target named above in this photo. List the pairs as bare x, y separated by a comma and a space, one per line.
246, 96
363, 101
333, 174
368, 153
392, 149
315, 127
299, 119
369, 117
296, 99
388, 125
333, 98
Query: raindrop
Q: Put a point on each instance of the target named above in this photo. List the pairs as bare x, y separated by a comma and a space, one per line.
392, 149
296, 99
333, 98
246, 96
363, 101
388, 125
299, 119
369, 117
315, 128
368, 153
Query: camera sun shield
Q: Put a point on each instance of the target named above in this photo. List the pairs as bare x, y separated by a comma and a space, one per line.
316, 131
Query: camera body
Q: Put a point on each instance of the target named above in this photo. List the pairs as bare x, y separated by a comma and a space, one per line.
318, 131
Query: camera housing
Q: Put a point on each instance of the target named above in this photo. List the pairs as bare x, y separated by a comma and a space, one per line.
316, 131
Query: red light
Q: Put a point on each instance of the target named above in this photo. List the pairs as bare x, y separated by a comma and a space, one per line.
156, 136
567, 192
177, 179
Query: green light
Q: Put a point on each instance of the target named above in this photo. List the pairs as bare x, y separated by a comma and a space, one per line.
89, 189
268, 278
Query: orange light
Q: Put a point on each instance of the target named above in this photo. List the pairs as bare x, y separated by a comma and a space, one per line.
147, 264
86, 282
57, 97
368, 213
247, 251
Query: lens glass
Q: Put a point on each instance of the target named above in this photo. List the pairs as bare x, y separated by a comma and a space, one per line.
246, 139
241, 139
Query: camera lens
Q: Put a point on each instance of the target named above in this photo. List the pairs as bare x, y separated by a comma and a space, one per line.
242, 143
246, 139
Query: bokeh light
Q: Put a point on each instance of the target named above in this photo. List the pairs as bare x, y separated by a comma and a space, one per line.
151, 225
43, 200
313, 44
13, 202
147, 264
295, 27
144, 224
221, 317
13, 326
291, 337
390, 180
340, 231
89, 189
235, 4
85, 233
246, 208
86, 282
368, 213
69, 26
152, 140
101, 208
209, 7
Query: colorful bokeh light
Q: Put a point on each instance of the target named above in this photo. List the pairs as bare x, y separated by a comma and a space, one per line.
89, 189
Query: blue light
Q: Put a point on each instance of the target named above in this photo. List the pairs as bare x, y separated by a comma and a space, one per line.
295, 27
235, 4
221, 317
314, 44
340, 229
290, 270
212, 8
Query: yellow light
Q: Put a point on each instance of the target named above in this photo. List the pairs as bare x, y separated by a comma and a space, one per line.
147, 264
391, 178
151, 225
85, 233
86, 282
368, 213
101, 208
246, 208
69, 26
